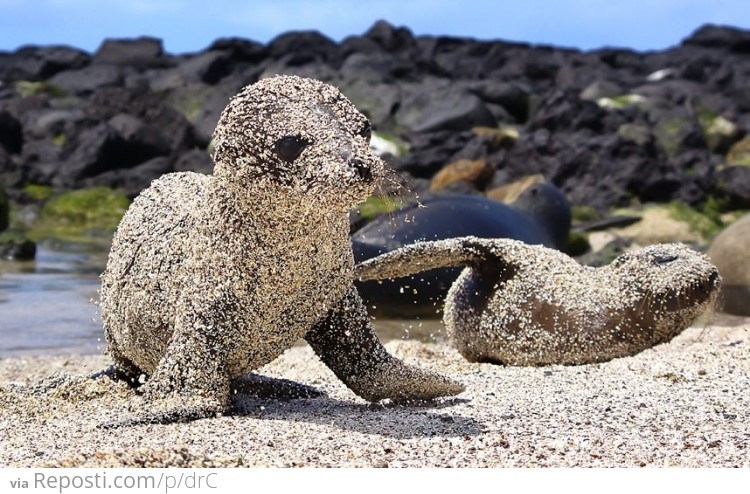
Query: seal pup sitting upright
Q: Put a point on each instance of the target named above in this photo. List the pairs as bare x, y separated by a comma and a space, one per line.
521, 304
211, 277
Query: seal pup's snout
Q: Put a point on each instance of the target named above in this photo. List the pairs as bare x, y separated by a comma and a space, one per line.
714, 278
363, 170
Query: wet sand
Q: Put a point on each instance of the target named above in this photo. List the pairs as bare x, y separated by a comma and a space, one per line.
685, 403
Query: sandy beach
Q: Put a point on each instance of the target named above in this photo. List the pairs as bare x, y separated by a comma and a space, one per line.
685, 403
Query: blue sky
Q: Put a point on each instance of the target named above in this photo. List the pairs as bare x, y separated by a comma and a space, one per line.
191, 25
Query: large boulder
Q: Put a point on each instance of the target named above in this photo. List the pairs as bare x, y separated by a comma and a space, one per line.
733, 184
209, 107
11, 134
88, 79
379, 101
148, 107
209, 67
302, 47
123, 142
431, 151
131, 181
240, 49
390, 38
563, 110
438, 105
4, 209
720, 37
99, 149
51, 123
36, 63
730, 252
141, 53
513, 97
41, 161
195, 160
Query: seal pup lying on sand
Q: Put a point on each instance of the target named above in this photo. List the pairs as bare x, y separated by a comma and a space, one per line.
541, 215
211, 277
520, 304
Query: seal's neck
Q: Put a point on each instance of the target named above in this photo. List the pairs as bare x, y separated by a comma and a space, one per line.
263, 207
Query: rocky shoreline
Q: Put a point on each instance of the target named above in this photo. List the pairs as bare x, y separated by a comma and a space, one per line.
81, 133
611, 127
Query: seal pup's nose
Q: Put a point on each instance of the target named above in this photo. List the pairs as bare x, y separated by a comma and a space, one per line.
363, 170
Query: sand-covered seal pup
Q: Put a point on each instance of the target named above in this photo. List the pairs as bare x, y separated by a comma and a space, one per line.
540, 215
521, 304
210, 277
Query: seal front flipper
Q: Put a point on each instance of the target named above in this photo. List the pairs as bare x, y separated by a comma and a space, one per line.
346, 343
190, 382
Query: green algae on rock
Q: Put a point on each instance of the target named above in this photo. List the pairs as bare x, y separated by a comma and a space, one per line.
80, 213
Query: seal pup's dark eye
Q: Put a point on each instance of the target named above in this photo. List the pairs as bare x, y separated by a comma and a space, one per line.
366, 131
290, 147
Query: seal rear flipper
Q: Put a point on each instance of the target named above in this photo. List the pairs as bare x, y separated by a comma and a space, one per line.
347, 344
423, 256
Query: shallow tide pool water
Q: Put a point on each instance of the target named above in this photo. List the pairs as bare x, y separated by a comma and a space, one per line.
47, 305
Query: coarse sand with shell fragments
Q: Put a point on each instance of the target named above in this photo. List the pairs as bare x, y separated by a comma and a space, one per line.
685, 403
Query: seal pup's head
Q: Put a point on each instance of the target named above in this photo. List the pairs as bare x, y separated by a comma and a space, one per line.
299, 136
674, 283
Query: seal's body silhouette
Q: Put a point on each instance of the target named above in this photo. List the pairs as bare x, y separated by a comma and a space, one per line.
211, 277
520, 304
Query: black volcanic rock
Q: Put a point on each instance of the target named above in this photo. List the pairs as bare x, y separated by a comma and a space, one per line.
430, 152
438, 105
11, 135
390, 38
140, 52
34, 63
454, 57
302, 47
209, 111
131, 180
88, 79
239, 49
611, 127
720, 37
42, 161
195, 160
562, 110
513, 97
208, 67
147, 106
98, 149
142, 140
733, 184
